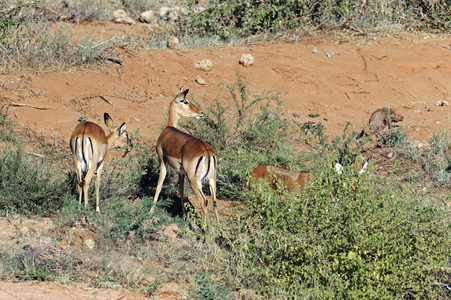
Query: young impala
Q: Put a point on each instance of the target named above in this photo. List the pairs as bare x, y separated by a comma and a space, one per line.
189, 156
273, 174
89, 145
290, 179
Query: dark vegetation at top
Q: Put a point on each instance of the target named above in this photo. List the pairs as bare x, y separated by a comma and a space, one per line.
29, 39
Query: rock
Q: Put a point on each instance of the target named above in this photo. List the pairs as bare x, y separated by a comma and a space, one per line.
204, 65
199, 9
150, 17
174, 14
164, 13
199, 80
119, 16
420, 145
442, 103
90, 243
173, 42
247, 60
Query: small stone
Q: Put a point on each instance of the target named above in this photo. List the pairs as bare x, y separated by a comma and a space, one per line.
199, 80
204, 65
119, 16
442, 103
150, 17
90, 243
173, 42
247, 60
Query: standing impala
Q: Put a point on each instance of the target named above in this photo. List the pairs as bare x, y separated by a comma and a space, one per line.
189, 156
89, 145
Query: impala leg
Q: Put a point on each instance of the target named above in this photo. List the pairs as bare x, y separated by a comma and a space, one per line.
80, 194
212, 183
163, 170
197, 188
181, 188
79, 185
99, 172
86, 183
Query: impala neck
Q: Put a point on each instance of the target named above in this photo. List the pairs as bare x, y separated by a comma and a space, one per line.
111, 141
173, 116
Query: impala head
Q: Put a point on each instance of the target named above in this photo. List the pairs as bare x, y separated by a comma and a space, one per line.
118, 135
182, 107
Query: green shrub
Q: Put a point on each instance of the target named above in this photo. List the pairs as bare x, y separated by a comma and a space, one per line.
132, 221
230, 19
124, 177
249, 131
79, 11
13, 15
206, 290
30, 184
362, 243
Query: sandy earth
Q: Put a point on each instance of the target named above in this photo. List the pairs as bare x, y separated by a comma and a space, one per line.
340, 76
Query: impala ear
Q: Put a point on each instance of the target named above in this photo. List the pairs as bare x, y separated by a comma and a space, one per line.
122, 129
108, 121
364, 167
181, 97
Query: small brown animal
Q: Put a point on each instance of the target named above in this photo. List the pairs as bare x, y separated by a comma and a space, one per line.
273, 174
379, 120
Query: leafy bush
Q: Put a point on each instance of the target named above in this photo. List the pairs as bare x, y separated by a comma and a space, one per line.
78, 11
229, 19
250, 131
206, 290
12, 16
126, 176
364, 243
132, 221
29, 185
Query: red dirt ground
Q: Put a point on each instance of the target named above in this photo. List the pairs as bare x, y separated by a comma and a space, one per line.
339, 76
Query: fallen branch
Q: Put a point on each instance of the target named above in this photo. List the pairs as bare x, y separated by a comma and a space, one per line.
115, 59
106, 99
30, 105
127, 98
35, 154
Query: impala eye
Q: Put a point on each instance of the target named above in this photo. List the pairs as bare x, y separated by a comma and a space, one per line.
186, 102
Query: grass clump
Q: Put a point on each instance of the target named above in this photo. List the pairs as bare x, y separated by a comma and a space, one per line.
29, 185
42, 264
39, 45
